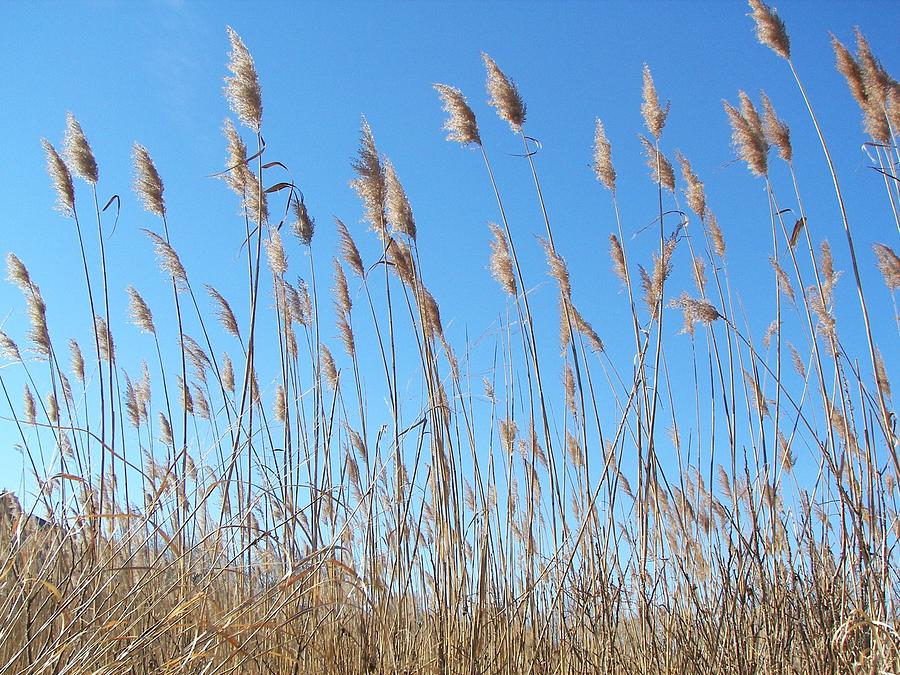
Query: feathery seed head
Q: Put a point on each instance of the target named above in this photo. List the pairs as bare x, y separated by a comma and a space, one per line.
696, 195
660, 168
8, 348
617, 255
342, 301
889, 265
147, 183
349, 251
280, 404
558, 268
276, 254
715, 233
748, 139
304, 225
329, 369
226, 316
227, 373
78, 151
169, 260
461, 126
77, 360
370, 181
777, 131
140, 312
653, 113
400, 258
603, 166
694, 311
501, 262
28, 407
399, 212
237, 173
770, 29
17, 273
165, 430
104, 336
62, 179
242, 87
504, 95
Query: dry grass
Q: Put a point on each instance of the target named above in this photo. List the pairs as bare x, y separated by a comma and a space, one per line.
194, 521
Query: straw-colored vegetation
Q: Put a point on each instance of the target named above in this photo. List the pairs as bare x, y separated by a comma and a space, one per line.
252, 506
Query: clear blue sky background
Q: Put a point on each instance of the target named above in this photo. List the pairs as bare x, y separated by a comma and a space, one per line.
152, 72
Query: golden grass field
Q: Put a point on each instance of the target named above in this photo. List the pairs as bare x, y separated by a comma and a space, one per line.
244, 508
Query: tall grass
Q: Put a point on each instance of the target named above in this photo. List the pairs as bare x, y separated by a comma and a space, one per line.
246, 507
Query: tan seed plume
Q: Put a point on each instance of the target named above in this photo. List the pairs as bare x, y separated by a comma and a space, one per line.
279, 407
653, 113
603, 166
275, 253
329, 369
399, 212
349, 251
107, 346
501, 262
715, 233
17, 273
748, 140
237, 174
147, 183
660, 168
770, 29
62, 179
226, 316
695, 193
889, 265
504, 95
78, 151
165, 430
617, 255
140, 312
8, 348
694, 311
242, 87
77, 360
461, 126
168, 260
370, 181
227, 373
342, 300
304, 225
777, 131
558, 269
29, 411
784, 282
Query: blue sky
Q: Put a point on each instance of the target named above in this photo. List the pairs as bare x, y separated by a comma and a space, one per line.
152, 73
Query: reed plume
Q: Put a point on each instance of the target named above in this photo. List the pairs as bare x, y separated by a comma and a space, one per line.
776, 130
370, 181
62, 179
504, 95
399, 212
501, 265
304, 225
242, 87
78, 151
770, 29
889, 265
147, 183
140, 312
603, 166
461, 126
653, 113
